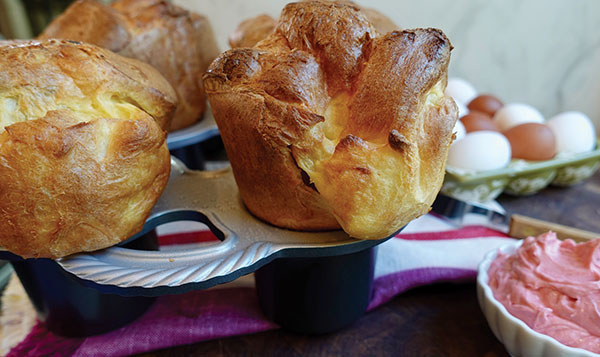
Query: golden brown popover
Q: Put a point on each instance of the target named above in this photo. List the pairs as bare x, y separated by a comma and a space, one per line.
329, 123
179, 43
83, 155
254, 29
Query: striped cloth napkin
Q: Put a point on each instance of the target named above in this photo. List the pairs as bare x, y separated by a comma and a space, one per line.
427, 251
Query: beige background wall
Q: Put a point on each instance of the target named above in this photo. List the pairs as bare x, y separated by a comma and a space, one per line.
542, 52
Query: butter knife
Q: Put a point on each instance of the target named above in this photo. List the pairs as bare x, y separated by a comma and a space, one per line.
460, 213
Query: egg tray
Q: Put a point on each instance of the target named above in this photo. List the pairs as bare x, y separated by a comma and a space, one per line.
520, 177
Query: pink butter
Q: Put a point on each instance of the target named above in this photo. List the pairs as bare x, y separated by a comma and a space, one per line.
554, 287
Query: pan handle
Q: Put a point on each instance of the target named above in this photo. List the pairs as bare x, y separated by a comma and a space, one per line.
175, 269
212, 198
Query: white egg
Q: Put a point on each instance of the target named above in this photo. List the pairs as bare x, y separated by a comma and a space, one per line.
459, 130
574, 132
480, 151
515, 114
462, 91
462, 109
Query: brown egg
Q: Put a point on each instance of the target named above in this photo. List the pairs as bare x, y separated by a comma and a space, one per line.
486, 103
531, 141
475, 121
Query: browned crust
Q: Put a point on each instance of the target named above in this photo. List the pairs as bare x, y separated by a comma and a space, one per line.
252, 30
72, 178
179, 43
407, 63
272, 101
84, 20
262, 141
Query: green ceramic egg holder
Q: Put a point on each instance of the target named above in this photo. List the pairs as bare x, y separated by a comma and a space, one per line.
520, 177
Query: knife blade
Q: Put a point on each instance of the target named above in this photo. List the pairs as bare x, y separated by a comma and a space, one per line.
460, 213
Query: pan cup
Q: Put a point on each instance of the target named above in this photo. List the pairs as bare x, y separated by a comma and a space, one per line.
316, 295
70, 309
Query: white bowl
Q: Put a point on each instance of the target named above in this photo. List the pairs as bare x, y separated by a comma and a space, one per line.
518, 338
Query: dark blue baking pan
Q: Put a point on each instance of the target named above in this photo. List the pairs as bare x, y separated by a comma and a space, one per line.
71, 309
308, 282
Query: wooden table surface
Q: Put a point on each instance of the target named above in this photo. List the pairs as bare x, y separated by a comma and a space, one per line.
437, 320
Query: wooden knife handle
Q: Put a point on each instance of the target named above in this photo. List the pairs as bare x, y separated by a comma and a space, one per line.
523, 227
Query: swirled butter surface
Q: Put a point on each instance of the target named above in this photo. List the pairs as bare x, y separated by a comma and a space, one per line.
554, 287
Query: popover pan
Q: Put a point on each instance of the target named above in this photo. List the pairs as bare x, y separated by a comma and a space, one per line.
309, 282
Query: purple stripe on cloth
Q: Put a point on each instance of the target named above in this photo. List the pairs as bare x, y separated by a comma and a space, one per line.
204, 315
41, 342
172, 321
182, 319
388, 286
